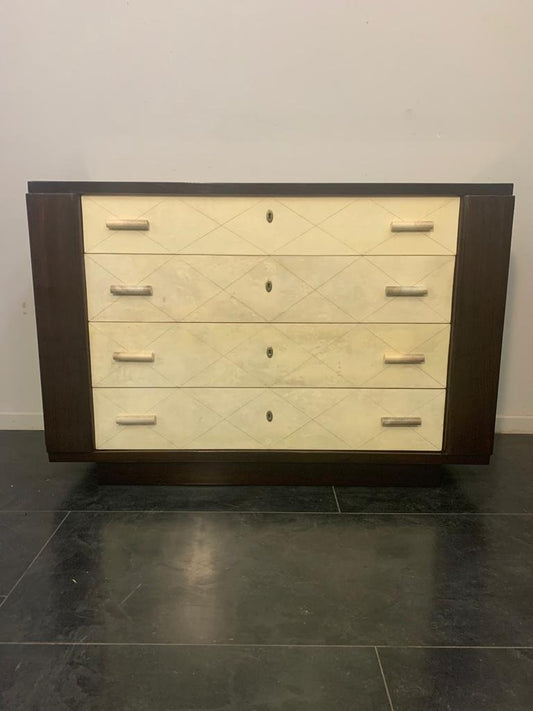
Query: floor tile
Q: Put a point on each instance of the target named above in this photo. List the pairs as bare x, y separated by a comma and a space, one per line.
203, 498
503, 486
30, 482
21, 537
279, 579
148, 678
459, 679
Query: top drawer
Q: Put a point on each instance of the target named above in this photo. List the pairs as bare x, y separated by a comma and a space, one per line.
284, 226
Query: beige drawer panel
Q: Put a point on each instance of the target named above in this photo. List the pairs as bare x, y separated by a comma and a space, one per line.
283, 289
255, 418
302, 226
255, 355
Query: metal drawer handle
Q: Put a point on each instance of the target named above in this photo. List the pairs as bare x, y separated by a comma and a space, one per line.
137, 225
269, 416
125, 357
268, 285
124, 290
412, 226
269, 215
409, 358
136, 420
406, 291
270, 352
401, 421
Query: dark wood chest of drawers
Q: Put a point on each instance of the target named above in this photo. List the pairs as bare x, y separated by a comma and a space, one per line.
336, 323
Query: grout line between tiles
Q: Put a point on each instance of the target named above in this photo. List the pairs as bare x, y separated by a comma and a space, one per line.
336, 500
453, 646
257, 645
261, 511
56, 529
384, 680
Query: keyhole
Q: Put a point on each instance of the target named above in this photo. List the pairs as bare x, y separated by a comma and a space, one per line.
268, 285
270, 352
269, 215
269, 416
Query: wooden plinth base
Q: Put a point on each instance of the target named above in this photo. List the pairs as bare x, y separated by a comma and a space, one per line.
264, 473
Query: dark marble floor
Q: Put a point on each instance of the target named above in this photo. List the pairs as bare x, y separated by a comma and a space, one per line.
265, 598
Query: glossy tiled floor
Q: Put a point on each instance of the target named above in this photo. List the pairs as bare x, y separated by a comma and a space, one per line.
263, 598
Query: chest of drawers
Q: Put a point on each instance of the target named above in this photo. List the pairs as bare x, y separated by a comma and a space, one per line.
335, 323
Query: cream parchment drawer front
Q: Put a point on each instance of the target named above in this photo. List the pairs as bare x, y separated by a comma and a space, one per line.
285, 418
207, 288
301, 226
255, 355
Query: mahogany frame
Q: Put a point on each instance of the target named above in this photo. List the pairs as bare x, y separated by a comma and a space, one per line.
478, 308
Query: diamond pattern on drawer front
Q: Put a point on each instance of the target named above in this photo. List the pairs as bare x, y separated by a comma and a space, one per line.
304, 355
179, 288
364, 225
304, 289
361, 289
180, 418
173, 224
235, 418
308, 225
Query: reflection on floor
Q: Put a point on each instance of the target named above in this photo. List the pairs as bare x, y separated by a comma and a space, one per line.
265, 597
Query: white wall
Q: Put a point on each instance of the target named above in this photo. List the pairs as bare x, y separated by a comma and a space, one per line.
263, 90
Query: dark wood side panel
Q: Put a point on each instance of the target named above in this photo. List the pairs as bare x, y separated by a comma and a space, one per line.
272, 189
60, 306
477, 323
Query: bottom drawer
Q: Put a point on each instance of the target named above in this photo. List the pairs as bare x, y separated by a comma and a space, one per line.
268, 418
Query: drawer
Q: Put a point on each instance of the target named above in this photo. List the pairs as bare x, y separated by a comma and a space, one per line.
297, 226
257, 418
255, 355
211, 288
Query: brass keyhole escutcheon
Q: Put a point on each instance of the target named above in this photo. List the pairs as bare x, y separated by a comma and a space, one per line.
268, 285
269, 215
270, 352
269, 416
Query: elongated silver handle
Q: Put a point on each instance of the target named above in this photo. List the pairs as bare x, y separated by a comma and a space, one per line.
136, 225
125, 290
125, 357
136, 420
411, 226
408, 358
406, 291
401, 421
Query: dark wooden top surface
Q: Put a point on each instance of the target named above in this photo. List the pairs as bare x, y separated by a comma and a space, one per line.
270, 189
